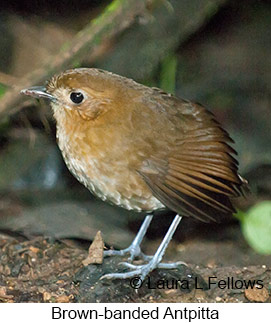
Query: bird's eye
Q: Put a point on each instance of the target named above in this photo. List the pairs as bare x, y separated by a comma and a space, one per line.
77, 97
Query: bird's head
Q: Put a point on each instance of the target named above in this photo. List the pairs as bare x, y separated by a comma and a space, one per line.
83, 92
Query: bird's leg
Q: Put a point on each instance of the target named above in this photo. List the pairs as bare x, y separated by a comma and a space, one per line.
143, 270
134, 249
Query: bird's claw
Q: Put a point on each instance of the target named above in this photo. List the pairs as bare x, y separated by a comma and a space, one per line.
133, 251
141, 271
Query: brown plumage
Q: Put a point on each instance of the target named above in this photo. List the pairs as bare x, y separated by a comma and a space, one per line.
141, 148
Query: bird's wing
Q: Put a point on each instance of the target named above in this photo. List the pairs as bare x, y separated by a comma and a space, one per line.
197, 176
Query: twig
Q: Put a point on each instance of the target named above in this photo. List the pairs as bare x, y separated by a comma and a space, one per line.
116, 17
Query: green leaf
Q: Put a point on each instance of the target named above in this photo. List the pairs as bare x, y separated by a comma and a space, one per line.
168, 74
2, 89
240, 215
256, 227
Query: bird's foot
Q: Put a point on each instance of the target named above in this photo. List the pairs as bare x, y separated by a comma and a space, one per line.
141, 271
133, 250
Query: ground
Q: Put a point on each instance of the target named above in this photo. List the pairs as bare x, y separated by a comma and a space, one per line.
48, 270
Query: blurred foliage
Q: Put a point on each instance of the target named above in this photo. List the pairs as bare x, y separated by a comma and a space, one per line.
168, 74
256, 227
226, 67
4, 125
2, 89
26, 165
138, 52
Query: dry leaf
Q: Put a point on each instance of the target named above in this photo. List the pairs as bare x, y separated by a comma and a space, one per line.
95, 251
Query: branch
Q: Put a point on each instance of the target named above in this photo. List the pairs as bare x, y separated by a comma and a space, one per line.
116, 17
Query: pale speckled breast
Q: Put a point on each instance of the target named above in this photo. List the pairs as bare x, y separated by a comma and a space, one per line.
112, 181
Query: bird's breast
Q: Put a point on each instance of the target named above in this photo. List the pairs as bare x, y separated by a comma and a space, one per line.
107, 167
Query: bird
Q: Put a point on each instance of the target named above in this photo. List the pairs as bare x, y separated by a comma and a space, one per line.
142, 149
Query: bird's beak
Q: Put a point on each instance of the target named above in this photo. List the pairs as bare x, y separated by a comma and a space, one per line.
38, 92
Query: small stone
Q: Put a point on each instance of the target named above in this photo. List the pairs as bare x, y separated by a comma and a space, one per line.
41, 290
6, 270
63, 299
3, 293
218, 299
25, 269
34, 249
211, 264
200, 295
180, 248
257, 294
170, 291
46, 296
3, 290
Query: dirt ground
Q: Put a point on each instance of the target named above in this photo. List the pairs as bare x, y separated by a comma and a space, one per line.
48, 270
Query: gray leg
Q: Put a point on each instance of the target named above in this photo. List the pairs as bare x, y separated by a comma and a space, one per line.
143, 270
134, 249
